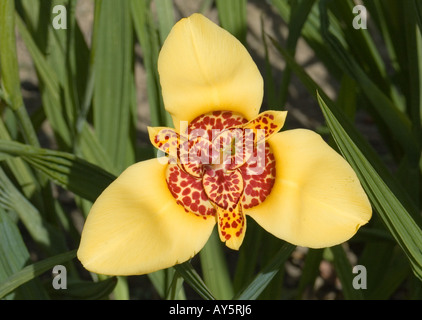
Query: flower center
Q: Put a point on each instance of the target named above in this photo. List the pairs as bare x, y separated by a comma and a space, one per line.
219, 166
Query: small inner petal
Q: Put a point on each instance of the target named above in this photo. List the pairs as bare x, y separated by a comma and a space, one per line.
223, 188
231, 226
165, 139
270, 122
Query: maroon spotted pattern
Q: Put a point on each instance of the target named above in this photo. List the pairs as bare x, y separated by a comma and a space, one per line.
188, 191
266, 122
258, 176
222, 168
223, 188
237, 146
167, 140
217, 120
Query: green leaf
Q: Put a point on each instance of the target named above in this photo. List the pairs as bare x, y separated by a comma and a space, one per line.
41, 231
32, 271
233, 17
360, 43
417, 5
165, 13
394, 276
398, 123
214, 268
8, 55
397, 219
385, 281
310, 270
248, 255
146, 33
24, 177
264, 277
10, 70
86, 290
347, 96
113, 72
51, 97
194, 280
345, 274
53, 106
14, 257
299, 13
175, 290
67, 170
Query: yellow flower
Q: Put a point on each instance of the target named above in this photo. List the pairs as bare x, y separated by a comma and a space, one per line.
224, 162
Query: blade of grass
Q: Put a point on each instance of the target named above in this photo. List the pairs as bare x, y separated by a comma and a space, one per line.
215, 269
413, 78
310, 271
164, 282
298, 16
32, 271
346, 98
233, 17
270, 87
360, 44
86, 290
264, 277
42, 232
67, 170
248, 255
14, 257
311, 34
90, 145
397, 219
396, 273
175, 291
344, 272
150, 45
50, 83
8, 55
274, 289
21, 172
383, 282
165, 13
10, 70
113, 76
398, 122
194, 280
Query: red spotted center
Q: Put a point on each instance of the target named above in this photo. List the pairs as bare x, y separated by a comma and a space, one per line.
219, 166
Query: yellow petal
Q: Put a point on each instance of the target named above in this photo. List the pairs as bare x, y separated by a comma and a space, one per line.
136, 227
317, 200
204, 68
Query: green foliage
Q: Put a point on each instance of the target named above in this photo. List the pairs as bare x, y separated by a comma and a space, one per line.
87, 87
